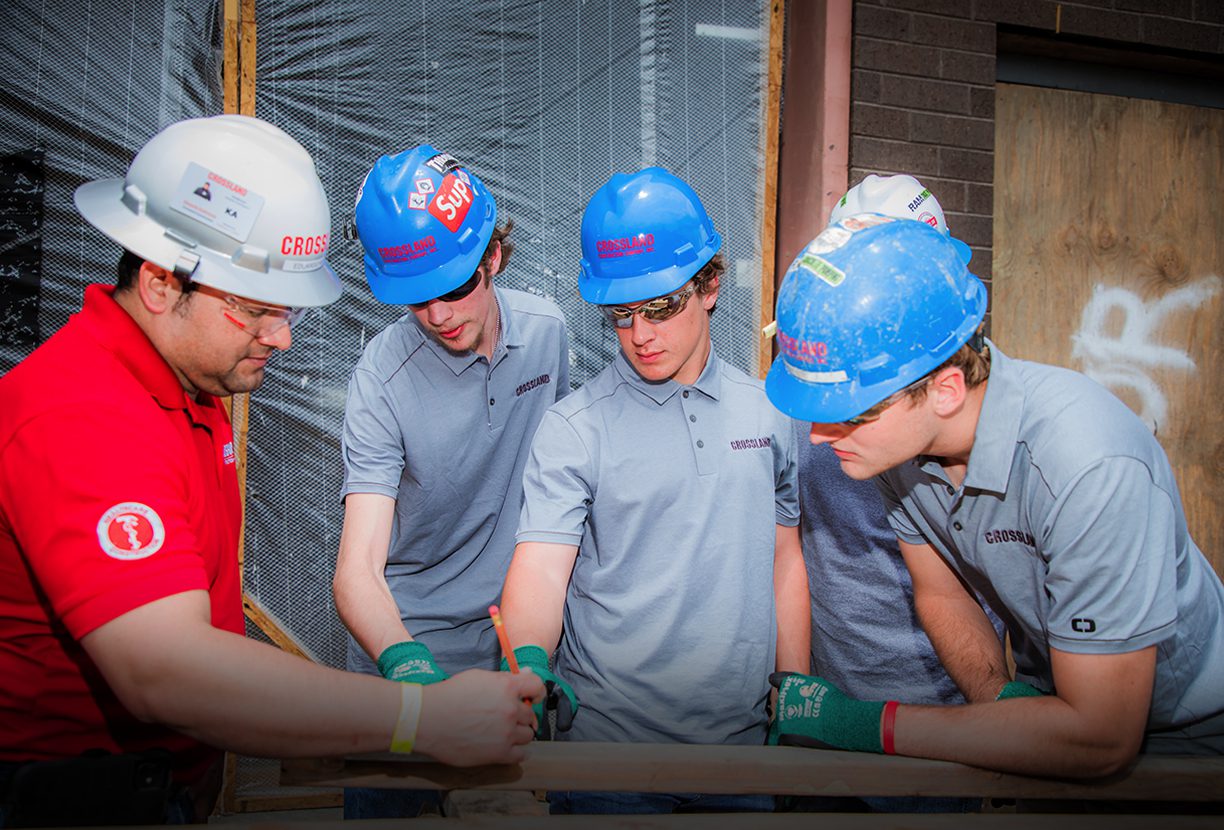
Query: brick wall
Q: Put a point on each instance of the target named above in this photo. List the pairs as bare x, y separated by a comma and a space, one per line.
923, 75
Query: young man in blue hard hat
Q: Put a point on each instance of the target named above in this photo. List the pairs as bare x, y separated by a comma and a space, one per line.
866, 639
124, 669
1028, 484
441, 409
658, 526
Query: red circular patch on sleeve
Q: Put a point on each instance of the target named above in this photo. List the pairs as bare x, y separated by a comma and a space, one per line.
131, 530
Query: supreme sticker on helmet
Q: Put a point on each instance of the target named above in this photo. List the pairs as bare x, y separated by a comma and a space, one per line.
215, 201
131, 530
451, 204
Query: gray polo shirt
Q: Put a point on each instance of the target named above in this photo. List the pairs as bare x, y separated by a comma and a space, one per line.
1070, 525
446, 435
673, 494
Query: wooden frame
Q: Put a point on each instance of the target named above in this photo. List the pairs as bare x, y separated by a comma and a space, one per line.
758, 769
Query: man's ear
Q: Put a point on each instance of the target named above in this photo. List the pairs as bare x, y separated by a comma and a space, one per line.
156, 288
710, 297
495, 259
948, 390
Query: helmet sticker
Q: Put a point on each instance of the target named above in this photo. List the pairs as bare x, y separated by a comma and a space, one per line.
461, 173
442, 162
929, 218
418, 201
918, 200
423, 185
642, 243
830, 239
217, 202
822, 268
411, 250
131, 530
451, 204
863, 221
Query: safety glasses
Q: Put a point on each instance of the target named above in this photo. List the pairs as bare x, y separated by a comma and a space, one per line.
456, 295
873, 413
656, 311
255, 318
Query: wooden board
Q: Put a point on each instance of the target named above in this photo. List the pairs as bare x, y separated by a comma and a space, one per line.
755, 769
1108, 258
778, 821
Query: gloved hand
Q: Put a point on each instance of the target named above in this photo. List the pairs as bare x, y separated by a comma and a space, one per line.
558, 695
410, 662
813, 712
1018, 688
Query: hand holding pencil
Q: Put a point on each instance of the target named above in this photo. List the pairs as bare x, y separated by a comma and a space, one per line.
559, 694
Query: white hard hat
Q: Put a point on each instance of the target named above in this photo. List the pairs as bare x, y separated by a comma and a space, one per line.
900, 196
229, 201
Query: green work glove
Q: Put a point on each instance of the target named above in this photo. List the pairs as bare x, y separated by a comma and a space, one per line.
1017, 688
559, 694
410, 662
813, 712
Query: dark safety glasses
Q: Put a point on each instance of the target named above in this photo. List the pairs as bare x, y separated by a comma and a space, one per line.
455, 295
874, 412
656, 311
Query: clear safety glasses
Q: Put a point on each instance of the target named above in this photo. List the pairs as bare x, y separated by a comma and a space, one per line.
656, 311
256, 319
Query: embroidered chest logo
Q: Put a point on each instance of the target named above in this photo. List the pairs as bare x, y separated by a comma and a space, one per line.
131, 530
764, 442
532, 384
998, 537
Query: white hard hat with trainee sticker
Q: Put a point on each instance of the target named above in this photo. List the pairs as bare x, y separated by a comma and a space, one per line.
229, 201
900, 196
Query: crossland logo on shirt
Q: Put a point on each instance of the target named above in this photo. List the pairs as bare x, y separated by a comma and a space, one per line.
997, 537
763, 442
131, 530
532, 384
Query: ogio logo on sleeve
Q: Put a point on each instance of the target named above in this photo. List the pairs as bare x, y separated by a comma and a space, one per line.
131, 530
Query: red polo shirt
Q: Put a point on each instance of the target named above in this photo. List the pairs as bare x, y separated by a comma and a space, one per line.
116, 489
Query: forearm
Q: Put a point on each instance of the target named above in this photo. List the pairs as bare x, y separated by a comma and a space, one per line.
792, 599
533, 598
363, 599
1032, 736
967, 645
367, 609
226, 690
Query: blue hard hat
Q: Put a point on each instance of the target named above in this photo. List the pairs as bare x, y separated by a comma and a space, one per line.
424, 221
643, 235
867, 308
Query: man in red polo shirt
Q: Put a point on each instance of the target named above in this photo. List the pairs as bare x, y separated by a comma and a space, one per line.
120, 610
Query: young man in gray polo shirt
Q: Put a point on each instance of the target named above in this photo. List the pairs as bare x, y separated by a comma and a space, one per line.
441, 409
658, 544
1033, 485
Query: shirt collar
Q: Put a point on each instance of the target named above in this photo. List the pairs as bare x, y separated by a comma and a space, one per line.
709, 382
998, 426
114, 329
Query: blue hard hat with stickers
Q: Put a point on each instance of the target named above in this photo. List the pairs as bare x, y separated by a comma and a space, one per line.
424, 221
868, 307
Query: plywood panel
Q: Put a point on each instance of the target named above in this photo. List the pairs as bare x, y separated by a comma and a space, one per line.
1107, 259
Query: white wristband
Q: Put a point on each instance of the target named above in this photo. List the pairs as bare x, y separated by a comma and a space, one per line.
404, 736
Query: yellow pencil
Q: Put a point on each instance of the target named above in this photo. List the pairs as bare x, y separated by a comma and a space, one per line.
503, 638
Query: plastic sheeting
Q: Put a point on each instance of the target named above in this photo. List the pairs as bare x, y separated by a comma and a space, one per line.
544, 100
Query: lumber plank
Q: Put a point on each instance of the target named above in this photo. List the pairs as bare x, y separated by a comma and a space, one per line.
752, 769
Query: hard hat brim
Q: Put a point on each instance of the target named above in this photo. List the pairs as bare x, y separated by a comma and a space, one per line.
101, 203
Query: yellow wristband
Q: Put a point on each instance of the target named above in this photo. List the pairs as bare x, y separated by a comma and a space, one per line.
404, 736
